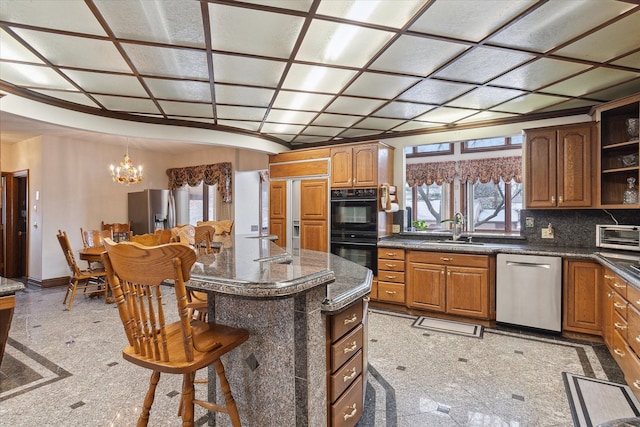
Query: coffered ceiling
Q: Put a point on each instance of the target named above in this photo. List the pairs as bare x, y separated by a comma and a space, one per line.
311, 72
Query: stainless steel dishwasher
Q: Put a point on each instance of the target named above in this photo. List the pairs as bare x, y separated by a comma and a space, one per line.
529, 291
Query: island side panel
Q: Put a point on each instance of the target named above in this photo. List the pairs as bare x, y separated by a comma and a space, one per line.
278, 376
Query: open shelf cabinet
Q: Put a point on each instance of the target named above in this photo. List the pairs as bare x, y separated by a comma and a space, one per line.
618, 153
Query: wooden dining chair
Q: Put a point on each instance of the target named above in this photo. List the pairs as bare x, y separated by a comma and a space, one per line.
202, 238
184, 234
121, 231
148, 239
94, 239
164, 236
91, 281
135, 274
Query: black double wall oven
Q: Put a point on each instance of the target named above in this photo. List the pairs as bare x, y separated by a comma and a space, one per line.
354, 225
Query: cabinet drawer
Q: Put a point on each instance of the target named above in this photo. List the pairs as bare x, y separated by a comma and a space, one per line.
374, 289
632, 372
348, 409
346, 347
449, 258
620, 325
346, 320
633, 328
391, 276
391, 292
620, 350
618, 285
620, 305
342, 379
633, 296
391, 253
390, 265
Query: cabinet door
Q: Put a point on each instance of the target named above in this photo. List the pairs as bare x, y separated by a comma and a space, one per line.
540, 168
425, 286
365, 166
314, 196
278, 211
313, 235
341, 167
468, 292
278, 227
574, 166
582, 297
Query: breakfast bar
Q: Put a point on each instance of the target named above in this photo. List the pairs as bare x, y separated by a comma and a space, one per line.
288, 302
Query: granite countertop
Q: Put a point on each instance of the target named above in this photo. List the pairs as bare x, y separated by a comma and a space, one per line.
9, 287
518, 246
255, 267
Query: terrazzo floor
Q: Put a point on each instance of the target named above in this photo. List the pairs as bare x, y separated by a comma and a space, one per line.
65, 368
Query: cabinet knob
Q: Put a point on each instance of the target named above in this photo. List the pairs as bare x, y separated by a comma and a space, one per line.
560, 199
553, 199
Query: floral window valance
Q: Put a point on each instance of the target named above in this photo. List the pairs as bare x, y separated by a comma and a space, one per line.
483, 170
428, 173
218, 173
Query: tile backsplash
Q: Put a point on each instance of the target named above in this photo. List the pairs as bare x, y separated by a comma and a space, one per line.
572, 227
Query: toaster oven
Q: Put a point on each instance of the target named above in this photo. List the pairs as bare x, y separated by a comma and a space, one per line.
625, 237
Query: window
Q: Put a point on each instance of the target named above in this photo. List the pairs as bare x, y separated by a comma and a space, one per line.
429, 203
202, 203
429, 150
489, 144
494, 207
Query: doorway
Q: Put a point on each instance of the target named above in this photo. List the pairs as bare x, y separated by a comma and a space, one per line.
14, 213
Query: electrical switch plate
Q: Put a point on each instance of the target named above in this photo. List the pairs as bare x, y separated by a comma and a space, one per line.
547, 234
528, 222
395, 228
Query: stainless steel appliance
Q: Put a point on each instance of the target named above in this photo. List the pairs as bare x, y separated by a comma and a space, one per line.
150, 210
529, 291
625, 237
354, 225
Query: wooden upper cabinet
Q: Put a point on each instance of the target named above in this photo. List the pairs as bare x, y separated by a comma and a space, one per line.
558, 166
361, 165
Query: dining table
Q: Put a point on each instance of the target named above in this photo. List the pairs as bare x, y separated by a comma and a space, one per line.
91, 254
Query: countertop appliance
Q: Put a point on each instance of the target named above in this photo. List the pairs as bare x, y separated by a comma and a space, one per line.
529, 291
625, 237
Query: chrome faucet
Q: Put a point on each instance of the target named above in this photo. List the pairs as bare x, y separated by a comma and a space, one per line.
458, 225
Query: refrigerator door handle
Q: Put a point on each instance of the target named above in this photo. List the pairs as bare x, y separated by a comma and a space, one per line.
171, 213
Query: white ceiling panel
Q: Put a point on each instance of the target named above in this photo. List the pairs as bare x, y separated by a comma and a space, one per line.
235, 29
468, 19
557, 22
481, 64
262, 66
70, 51
418, 56
161, 21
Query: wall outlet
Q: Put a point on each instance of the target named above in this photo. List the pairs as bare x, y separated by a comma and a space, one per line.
395, 228
254, 228
547, 233
528, 222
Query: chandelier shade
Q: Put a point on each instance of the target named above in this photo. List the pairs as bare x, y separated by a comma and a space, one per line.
126, 173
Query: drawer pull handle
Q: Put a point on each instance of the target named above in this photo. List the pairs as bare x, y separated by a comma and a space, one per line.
352, 319
560, 199
390, 265
637, 338
354, 410
638, 302
446, 259
636, 384
351, 376
618, 285
620, 326
389, 276
553, 199
608, 276
353, 347
391, 292
390, 253
618, 352
620, 306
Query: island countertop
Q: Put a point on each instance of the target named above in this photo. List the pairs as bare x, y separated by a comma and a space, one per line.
255, 267
9, 287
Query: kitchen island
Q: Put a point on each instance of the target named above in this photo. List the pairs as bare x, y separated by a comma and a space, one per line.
287, 302
8, 289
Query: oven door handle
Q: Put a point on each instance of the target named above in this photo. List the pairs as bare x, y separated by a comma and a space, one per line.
343, 242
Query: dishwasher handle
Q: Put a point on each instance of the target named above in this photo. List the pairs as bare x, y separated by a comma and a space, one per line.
527, 264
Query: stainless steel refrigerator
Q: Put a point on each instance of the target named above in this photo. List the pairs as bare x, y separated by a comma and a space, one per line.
150, 210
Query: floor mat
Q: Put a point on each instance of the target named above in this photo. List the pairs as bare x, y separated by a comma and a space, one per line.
449, 326
594, 402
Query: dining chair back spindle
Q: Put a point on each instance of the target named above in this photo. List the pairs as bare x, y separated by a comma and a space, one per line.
136, 274
91, 281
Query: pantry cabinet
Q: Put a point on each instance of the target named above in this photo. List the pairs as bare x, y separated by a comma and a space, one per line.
582, 296
452, 283
278, 211
558, 166
361, 165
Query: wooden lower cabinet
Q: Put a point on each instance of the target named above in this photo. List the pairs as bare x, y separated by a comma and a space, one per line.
391, 276
582, 296
346, 365
453, 283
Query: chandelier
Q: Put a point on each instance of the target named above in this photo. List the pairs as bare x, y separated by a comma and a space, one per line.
126, 173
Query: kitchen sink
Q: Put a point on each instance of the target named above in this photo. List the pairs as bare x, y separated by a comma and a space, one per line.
451, 242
